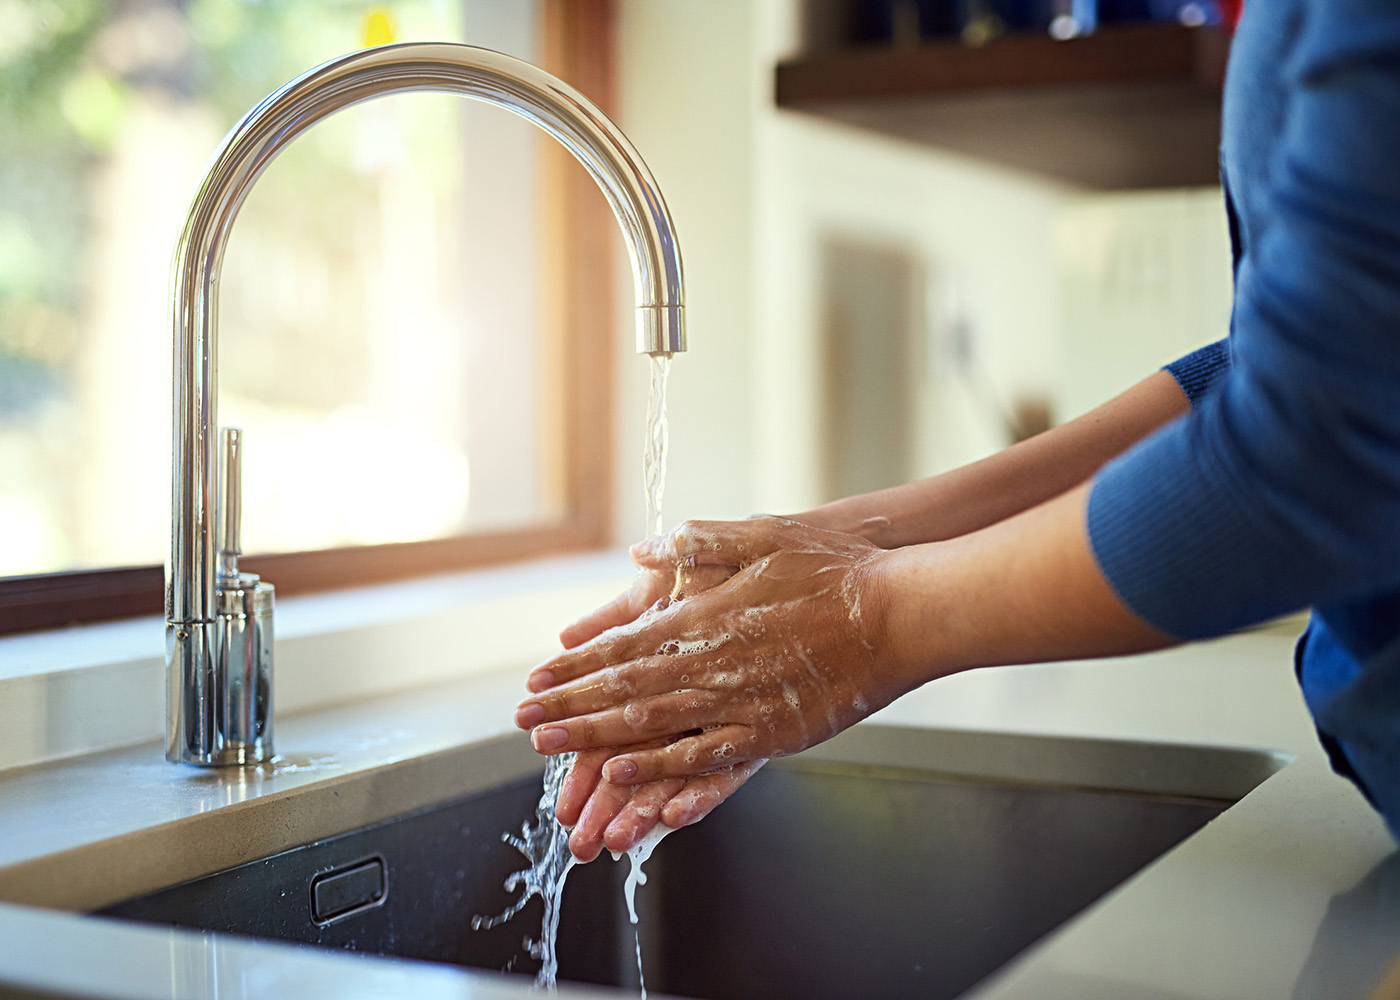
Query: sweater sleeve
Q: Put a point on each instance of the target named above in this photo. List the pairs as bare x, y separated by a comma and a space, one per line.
1200, 371
1282, 487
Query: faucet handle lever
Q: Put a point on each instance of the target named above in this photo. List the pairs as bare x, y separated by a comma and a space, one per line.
230, 500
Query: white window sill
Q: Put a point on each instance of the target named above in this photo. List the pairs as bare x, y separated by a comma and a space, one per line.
91, 687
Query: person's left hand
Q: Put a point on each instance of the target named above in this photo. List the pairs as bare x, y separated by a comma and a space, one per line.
780, 657
617, 817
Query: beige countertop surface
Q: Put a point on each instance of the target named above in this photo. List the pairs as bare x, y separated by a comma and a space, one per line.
1293, 892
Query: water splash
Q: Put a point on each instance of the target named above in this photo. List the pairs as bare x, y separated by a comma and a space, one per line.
545, 845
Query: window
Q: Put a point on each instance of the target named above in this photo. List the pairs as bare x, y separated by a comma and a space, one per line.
414, 314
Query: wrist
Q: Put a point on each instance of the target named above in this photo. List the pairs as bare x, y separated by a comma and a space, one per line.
850, 516
900, 612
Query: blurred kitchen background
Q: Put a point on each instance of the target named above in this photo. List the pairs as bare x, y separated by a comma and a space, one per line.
863, 306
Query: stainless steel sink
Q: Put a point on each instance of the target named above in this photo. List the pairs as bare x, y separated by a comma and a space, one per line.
888, 862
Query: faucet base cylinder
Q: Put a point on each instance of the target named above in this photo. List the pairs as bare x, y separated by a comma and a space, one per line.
219, 681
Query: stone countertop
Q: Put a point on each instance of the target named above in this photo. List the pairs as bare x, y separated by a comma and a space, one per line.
1284, 895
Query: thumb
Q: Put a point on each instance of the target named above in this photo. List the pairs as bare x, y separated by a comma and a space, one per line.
727, 543
650, 554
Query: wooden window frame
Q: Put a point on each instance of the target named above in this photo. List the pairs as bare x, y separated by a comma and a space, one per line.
577, 274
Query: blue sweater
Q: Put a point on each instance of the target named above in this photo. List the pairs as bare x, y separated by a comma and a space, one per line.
1281, 489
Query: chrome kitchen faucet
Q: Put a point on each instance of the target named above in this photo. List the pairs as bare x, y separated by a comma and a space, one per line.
218, 619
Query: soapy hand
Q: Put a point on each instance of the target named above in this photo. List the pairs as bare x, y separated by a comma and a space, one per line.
618, 816
780, 657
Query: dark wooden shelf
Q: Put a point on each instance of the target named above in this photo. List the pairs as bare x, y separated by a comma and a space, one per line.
1135, 106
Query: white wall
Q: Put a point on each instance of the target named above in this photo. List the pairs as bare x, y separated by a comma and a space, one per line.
685, 79
1144, 279
985, 239
1046, 279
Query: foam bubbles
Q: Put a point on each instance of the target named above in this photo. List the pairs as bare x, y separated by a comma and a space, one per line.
707, 644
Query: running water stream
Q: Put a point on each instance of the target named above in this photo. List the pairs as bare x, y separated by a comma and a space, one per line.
658, 433
545, 842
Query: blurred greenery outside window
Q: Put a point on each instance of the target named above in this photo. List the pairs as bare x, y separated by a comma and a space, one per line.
377, 298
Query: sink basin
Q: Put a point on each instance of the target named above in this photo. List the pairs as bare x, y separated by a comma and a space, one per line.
888, 862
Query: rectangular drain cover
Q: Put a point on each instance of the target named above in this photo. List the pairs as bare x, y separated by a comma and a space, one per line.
341, 892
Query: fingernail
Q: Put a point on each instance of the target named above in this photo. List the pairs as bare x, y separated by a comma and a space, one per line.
620, 769
549, 738
529, 715
540, 680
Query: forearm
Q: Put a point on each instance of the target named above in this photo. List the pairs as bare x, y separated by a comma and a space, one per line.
1024, 590
1011, 481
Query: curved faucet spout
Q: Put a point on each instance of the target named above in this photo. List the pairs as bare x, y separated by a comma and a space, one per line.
194, 601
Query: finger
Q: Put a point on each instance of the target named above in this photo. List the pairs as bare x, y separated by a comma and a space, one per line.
613, 687
661, 554
608, 688
621, 610
647, 554
681, 627
711, 749
615, 646
604, 804
579, 662
703, 793
693, 578
645, 719
640, 815
579, 784
616, 612
737, 543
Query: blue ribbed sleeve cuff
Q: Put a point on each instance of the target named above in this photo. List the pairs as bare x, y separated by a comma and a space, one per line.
1199, 371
